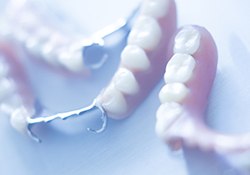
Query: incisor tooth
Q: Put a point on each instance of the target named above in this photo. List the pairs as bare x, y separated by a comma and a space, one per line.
173, 92
124, 80
135, 58
155, 8
187, 40
179, 68
146, 33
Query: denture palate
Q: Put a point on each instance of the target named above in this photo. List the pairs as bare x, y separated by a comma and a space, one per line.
25, 24
189, 77
142, 60
16, 99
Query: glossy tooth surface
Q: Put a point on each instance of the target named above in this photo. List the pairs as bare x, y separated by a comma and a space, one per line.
71, 61
179, 68
124, 80
146, 33
187, 40
166, 115
6, 87
113, 101
135, 58
18, 119
155, 8
173, 92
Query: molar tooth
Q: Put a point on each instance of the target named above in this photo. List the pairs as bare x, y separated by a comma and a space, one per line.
135, 58
146, 33
187, 40
113, 101
18, 119
166, 115
124, 80
173, 92
179, 68
6, 87
155, 8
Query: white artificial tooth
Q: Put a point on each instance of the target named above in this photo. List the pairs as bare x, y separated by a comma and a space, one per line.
135, 58
71, 61
6, 88
173, 92
124, 80
155, 8
18, 119
179, 68
166, 115
146, 33
187, 40
113, 101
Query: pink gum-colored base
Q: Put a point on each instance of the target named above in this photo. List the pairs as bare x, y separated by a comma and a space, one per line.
190, 129
158, 59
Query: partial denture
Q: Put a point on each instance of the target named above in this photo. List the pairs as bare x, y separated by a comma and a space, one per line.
189, 77
16, 99
25, 23
180, 118
142, 60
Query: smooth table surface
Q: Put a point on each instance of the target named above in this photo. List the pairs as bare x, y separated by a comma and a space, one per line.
131, 146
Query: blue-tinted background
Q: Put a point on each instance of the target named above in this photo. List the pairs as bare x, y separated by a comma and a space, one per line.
130, 146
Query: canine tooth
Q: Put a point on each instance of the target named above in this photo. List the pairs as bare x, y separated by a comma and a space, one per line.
125, 81
155, 8
166, 115
179, 68
187, 40
6, 87
135, 58
173, 92
18, 119
113, 101
146, 33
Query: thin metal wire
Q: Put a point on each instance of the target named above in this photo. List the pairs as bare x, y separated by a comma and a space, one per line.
66, 115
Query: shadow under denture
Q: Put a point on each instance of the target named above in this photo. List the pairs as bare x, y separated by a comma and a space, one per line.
197, 161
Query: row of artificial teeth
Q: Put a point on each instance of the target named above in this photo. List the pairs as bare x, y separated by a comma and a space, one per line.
145, 36
43, 42
178, 72
10, 102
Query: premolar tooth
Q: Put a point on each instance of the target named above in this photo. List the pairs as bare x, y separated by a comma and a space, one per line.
18, 119
155, 8
179, 68
6, 87
113, 101
166, 115
146, 33
124, 80
173, 92
71, 60
135, 58
187, 40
